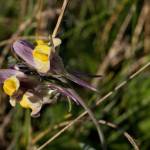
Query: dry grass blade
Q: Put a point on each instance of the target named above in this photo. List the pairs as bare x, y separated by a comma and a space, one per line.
117, 47
60, 18
103, 122
140, 25
119, 8
147, 29
122, 84
39, 19
23, 5
48, 130
62, 130
126, 134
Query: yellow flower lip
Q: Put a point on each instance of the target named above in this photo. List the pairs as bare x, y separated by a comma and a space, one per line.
11, 85
40, 56
42, 51
25, 102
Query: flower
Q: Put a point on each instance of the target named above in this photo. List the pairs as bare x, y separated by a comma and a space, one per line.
30, 93
41, 78
39, 56
46, 61
17, 86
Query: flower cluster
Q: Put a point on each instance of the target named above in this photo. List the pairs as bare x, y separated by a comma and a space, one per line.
40, 77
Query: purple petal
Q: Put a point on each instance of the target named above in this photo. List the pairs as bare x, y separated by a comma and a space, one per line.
24, 50
6, 73
80, 82
65, 91
56, 64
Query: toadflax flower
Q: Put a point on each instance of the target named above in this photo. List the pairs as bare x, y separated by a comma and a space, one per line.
46, 61
40, 79
37, 57
30, 92
19, 88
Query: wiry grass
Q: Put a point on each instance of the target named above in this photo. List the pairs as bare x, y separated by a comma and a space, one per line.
103, 37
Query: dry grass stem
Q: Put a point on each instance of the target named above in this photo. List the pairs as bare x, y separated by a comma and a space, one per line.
140, 25
60, 18
126, 134
118, 47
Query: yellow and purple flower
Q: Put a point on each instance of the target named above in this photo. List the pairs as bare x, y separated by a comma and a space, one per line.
38, 57
46, 61
18, 87
29, 92
40, 79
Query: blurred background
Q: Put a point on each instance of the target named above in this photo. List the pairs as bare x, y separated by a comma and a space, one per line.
106, 37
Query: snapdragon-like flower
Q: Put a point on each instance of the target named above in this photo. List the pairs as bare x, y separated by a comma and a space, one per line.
17, 86
46, 61
39, 56
40, 79
29, 91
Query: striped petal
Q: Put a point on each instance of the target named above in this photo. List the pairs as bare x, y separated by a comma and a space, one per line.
56, 65
24, 50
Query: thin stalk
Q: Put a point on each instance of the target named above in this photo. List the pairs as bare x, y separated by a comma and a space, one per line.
64, 6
